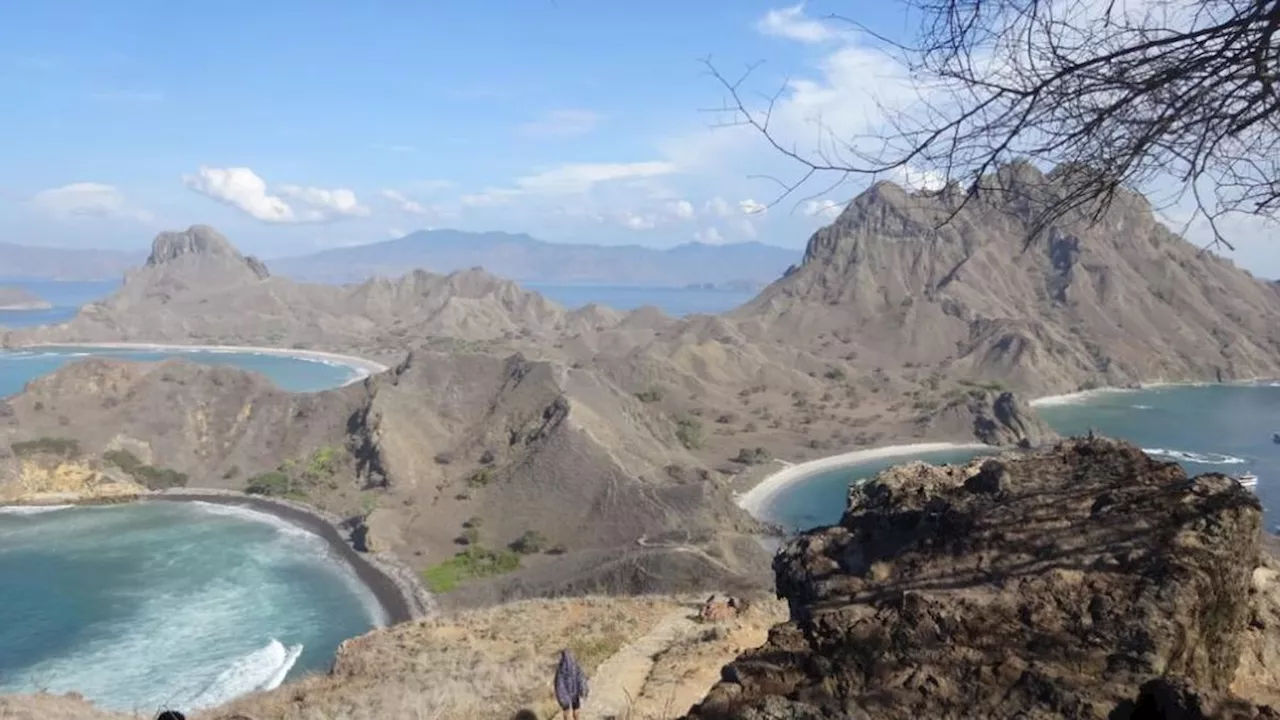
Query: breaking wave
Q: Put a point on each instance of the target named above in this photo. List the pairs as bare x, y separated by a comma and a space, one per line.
1198, 458
262, 669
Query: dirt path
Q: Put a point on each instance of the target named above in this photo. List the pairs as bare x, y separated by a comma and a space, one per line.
660, 675
619, 680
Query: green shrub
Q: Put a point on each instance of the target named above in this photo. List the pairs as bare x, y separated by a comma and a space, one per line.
149, 476
323, 462
123, 459
274, 483
154, 478
529, 543
479, 478
748, 456
834, 373
62, 447
474, 562
689, 433
649, 395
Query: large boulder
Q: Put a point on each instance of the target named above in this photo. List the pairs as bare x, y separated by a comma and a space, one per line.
1051, 585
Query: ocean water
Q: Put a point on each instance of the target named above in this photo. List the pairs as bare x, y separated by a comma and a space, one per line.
65, 296
295, 374
1210, 428
183, 605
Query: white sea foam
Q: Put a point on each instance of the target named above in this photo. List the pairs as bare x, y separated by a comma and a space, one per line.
177, 636
281, 525
262, 669
1193, 457
31, 509
377, 613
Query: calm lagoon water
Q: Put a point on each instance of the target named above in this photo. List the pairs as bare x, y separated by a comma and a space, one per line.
1211, 428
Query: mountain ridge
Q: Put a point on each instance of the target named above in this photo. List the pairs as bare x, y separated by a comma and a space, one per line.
523, 258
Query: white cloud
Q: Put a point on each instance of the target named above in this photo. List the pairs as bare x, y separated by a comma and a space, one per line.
681, 209
826, 209
719, 207
792, 24
404, 204
241, 188
570, 179
632, 221
710, 236
563, 123
751, 207
396, 233
582, 177
914, 179
87, 199
326, 204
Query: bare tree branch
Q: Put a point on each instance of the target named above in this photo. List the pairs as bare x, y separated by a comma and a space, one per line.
1112, 93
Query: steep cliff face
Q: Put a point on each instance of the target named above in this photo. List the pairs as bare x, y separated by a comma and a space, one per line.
934, 280
1052, 585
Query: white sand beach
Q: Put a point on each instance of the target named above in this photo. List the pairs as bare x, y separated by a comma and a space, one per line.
755, 500
363, 367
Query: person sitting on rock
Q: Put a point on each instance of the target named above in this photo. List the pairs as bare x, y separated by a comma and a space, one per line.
571, 685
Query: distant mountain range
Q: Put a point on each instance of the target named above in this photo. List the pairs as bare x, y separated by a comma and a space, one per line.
28, 262
525, 259
519, 257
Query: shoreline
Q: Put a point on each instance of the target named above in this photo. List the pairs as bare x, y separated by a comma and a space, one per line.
1080, 396
394, 586
756, 500
362, 367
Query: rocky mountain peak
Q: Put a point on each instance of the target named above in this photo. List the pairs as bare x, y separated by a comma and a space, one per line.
200, 241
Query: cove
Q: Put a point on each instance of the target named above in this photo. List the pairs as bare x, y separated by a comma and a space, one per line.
295, 373
1204, 428
184, 605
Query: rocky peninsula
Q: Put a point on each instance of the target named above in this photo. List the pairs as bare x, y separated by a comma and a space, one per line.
16, 298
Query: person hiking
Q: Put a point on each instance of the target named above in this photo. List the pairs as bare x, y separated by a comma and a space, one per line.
571, 685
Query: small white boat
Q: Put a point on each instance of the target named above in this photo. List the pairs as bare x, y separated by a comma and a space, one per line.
1248, 480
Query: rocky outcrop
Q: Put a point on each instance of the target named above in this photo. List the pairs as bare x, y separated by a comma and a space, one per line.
996, 417
200, 241
1050, 585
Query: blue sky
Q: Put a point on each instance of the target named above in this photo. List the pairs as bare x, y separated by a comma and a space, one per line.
294, 126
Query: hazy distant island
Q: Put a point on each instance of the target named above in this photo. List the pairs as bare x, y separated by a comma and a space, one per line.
16, 298
730, 286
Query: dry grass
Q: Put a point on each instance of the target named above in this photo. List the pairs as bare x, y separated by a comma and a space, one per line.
480, 664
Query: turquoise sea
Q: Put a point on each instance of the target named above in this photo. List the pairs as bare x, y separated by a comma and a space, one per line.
185, 605
295, 374
1206, 428
182, 605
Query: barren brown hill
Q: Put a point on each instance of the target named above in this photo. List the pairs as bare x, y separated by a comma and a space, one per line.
1075, 582
197, 288
1118, 301
440, 453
